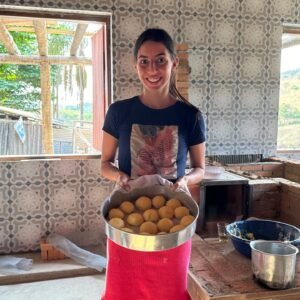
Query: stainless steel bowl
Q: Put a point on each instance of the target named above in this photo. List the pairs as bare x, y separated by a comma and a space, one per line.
142, 242
273, 263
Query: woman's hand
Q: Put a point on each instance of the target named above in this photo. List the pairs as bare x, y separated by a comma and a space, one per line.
122, 181
181, 183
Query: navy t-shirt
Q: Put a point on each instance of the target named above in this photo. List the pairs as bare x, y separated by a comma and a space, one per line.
154, 141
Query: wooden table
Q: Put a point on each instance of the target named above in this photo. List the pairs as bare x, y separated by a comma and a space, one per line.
218, 271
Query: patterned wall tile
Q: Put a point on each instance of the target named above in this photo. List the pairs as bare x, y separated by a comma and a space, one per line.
4, 201
198, 63
63, 170
250, 127
194, 7
271, 93
221, 98
198, 95
158, 6
129, 5
65, 226
95, 194
27, 171
223, 65
124, 63
253, 67
6, 245
166, 21
26, 200
254, 34
251, 98
224, 32
255, 8
64, 197
225, 7
195, 32
275, 36
4, 173
91, 169
128, 31
284, 9
222, 134
27, 234
274, 66
125, 89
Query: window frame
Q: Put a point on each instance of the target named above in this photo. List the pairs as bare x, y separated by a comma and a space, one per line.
72, 15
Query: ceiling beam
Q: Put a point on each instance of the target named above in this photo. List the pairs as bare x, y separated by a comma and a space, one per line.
78, 36
41, 36
8, 41
52, 59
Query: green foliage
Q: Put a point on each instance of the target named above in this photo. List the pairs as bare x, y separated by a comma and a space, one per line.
289, 111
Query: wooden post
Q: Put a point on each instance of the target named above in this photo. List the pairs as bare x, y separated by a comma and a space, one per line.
47, 130
182, 74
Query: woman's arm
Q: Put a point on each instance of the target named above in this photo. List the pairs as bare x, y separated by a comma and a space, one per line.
197, 160
108, 168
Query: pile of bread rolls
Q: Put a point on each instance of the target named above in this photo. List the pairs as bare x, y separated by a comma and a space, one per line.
144, 215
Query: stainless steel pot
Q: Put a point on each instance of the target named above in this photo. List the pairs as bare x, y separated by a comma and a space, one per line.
273, 263
149, 242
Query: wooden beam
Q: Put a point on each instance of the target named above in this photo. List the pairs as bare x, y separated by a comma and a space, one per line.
41, 36
49, 30
79, 34
51, 59
47, 129
8, 41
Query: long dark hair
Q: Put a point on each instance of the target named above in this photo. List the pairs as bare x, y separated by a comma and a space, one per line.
161, 36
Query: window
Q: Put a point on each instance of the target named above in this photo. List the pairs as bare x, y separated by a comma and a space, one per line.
55, 70
289, 101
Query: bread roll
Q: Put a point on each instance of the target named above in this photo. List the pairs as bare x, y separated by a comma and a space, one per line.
127, 207
166, 212
181, 211
148, 227
143, 203
187, 220
117, 222
176, 228
115, 213
158, 201
135, 219
165, 224
151, 215
173, 202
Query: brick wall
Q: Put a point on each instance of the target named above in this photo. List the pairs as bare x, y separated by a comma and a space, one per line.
264, 196
290, 201
264, 169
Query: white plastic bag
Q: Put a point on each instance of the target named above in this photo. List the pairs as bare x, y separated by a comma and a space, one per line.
79, 255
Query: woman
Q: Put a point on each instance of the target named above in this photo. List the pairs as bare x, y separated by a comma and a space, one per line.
156, 130
153, 132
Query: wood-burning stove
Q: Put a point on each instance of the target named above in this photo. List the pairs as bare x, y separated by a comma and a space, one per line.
222, 199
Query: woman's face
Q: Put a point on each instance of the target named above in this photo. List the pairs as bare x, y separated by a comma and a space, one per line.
154, 65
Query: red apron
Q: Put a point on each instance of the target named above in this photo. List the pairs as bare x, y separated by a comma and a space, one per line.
138, 275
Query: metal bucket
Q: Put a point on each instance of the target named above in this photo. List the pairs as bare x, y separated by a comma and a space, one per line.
142, 242
273, 263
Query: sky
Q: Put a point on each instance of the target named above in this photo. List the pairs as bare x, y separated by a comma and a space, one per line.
290, 58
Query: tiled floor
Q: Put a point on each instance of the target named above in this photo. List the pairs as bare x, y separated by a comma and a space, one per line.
76, 288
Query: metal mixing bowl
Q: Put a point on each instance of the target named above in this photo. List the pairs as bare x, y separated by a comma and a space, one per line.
142, 242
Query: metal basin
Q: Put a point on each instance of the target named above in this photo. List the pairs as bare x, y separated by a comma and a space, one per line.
268, 230
142, 242
273, 263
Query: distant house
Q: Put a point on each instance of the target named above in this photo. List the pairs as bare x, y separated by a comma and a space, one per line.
11, 144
